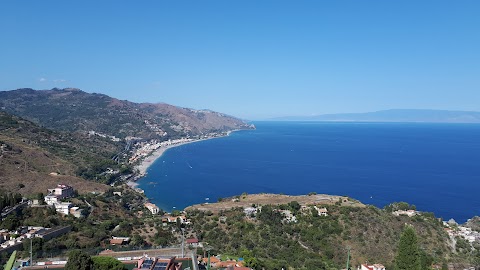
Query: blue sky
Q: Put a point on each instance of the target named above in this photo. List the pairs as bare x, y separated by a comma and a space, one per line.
252, 59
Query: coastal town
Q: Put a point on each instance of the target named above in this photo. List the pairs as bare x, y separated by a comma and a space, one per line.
190, 252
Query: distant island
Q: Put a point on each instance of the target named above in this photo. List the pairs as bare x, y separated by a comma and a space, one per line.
394, 115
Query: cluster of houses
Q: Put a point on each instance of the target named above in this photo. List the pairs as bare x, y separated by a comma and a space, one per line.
409, 213
167, 218
462, 231
288, 216
216, 263
94, 133
143, 149
12, 240
55, 197
155, 128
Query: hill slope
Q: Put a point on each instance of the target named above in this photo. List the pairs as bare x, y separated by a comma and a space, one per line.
313, 241
71, 109
39, 158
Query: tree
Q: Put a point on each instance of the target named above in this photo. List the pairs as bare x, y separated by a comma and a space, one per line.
79, 260
408, 254
37, 245
294, 205
107, 263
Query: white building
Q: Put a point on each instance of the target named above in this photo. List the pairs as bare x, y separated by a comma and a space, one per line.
323, 212
409, 213
63, 207
51, 199
250, 211
152, 208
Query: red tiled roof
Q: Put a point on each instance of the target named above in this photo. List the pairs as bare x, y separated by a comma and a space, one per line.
368, 267
192, 240
116, 241
212, 260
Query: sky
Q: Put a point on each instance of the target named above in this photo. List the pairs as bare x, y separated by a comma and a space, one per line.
251, 59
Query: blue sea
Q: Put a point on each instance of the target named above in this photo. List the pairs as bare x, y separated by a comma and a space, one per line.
434, 166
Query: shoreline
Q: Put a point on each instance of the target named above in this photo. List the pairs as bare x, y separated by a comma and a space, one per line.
158, 153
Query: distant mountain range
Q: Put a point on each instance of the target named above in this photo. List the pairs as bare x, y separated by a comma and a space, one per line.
396, 115
73, 110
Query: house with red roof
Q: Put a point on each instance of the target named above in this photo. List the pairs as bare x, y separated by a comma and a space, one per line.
373, 267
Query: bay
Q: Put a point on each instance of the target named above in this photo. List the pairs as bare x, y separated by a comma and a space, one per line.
434, 166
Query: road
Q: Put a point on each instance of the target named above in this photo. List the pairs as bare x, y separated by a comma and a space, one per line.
5, 213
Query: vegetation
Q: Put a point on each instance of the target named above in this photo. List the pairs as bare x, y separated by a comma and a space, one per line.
267, 240
408, 254
8, 199
399, 206
107, 263
79, 260
73, 110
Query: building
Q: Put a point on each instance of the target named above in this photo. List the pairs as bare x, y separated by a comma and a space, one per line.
152, 208
409, 213
54, 232
171, 219
372, 267
119, 240
323, 212
249, 211
192, 242
63, 207
288, 216
160, 264
76, 212
61, 191
51, 199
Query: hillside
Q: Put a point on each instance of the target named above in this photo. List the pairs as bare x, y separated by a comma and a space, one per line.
33, 158
398, 115
314, 241
72, 110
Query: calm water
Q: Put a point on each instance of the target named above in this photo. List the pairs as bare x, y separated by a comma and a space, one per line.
434, 166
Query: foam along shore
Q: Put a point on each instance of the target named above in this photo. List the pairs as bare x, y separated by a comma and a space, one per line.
157, 153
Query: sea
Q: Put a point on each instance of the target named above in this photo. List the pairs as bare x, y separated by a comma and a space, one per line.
434, 166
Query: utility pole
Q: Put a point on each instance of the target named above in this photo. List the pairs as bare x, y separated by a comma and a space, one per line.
31, 256
348, 258
183, 242
208, 264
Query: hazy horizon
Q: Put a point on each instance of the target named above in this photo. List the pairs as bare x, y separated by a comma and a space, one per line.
250, 59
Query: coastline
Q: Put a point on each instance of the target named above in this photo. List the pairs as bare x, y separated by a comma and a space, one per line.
156, 154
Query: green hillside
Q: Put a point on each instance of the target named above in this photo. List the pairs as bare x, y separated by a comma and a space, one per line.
322, 242
72, 110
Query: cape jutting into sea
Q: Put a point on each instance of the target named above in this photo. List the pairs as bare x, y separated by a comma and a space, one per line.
434, 166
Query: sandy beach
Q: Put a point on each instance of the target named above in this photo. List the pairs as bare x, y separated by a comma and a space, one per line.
156, 154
